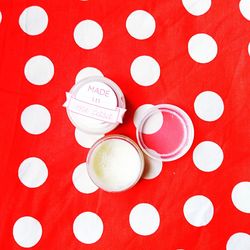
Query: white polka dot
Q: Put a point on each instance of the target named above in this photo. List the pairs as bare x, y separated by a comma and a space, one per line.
208, 156
88, 227
241, 196
208, 106
249, 49
87, 72
239, 241
32, 172
88, 34
27, 231
144, 219
198, 210
245, 9
1, 16
145, 70
152, 125
86, 140
82, 181
33, 20
152, 167
202, 48
197, 7
140, 24
35, 119
39, 70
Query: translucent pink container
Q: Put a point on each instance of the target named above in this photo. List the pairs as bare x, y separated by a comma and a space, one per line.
172, 134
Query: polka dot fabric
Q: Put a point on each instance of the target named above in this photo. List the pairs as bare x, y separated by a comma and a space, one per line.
193, 54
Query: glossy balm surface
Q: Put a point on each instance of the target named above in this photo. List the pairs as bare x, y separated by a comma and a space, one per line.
174, 136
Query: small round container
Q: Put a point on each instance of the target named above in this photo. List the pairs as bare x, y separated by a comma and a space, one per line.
100, 92
165, 133
115, 163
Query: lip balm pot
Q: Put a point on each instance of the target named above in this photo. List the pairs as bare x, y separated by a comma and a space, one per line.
115, 163
95, 105
172, 139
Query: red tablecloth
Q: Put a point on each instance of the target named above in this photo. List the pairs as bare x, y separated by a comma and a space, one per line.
195, 204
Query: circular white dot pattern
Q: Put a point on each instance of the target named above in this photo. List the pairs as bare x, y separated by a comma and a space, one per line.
33, 20
32, 172
145, 70
241, 196
209, 106
27, 231
152, 167
88, 34
39, 70
208, 156
202, 48
88, 227
198, 210
87, 72
249, 49
86, 140
1, 16
82, 181
35, 119
140, 24
244, 8
197, 7
239, 241
144, 219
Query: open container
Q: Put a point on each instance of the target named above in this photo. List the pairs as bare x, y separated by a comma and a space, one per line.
171, 138
165, 133
115, 163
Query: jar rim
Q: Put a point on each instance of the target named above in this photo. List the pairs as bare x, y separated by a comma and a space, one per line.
188, 133
119, 137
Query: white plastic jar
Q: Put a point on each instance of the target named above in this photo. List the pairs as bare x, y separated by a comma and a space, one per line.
95, 105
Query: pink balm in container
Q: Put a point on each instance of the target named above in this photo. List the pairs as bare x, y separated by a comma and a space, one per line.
171, 138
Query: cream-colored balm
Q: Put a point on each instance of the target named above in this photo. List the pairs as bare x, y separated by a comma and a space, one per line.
115, 163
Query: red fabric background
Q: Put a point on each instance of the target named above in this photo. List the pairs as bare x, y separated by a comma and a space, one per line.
56, 203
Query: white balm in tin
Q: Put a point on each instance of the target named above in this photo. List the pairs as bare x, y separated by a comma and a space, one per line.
95, 105
115, 163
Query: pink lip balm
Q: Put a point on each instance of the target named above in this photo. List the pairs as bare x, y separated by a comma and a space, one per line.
174, 136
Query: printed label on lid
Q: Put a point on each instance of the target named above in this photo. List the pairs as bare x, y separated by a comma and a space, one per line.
95, 100
93, 111
97, 93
